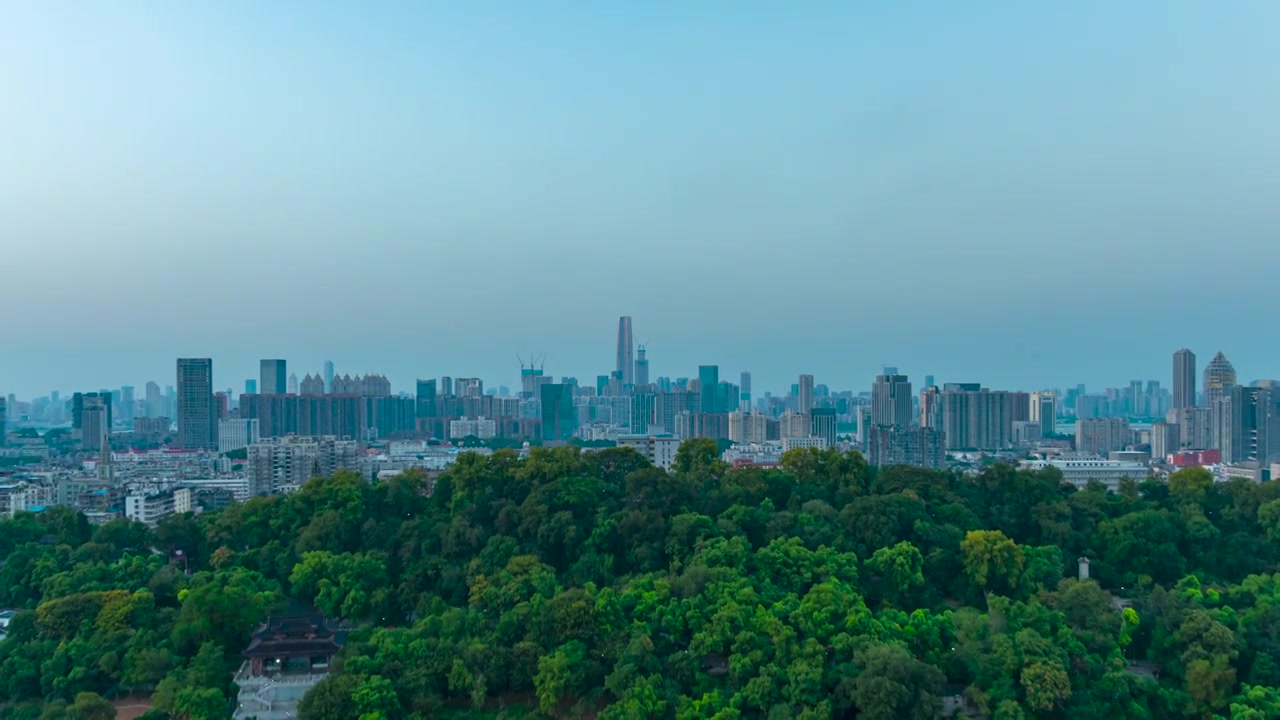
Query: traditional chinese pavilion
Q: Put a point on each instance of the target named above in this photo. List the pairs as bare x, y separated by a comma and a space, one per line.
292, 643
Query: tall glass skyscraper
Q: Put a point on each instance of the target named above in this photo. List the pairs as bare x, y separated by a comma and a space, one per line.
626, 367
708, 386
197, 426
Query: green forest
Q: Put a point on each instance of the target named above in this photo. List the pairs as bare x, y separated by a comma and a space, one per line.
589, 584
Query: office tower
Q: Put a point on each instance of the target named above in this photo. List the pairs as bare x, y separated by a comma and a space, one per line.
292, 384
155, 401
275, 377
237, 434
197, 426
1100, 436
559, 417
468, 387
80, 402
744, 387
1044, 410
251, 387
822, 424
642, 407
708, 385
328, 376
928, 381
642, 367
891, 399
626, 358
127, 403
1219, 376
863, 415
1135, 400
446, 385
893, 445
805, 394
94, 422
426, 398
311, 385
1184, 379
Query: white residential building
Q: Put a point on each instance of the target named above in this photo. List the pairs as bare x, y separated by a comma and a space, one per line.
237, 434
151, 509
657, 449
479, 428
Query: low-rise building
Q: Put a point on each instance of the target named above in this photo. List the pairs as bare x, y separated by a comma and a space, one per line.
151, 509
660, 450
1080, 471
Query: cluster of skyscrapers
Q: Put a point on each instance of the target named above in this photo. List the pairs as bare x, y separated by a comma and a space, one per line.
891, 424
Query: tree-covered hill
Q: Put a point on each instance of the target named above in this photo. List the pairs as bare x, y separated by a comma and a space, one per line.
574, 583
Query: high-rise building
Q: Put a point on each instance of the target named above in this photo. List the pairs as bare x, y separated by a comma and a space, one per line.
559, 416
94, 425
1164, 440
275, 377
251, 387
1195, 428
1219, 376
275, 464
468, 387
1247, 425
892, 445
891, 399
1044, 410
127, 404
197, 426
708, 385
1184, 379
446, 385
975, 418
426, 398
328, 376
155, 401
794, 425
4, 420
748, 427
626, 351
82, 402
642, 367
293, 384
1102, 435
822, 424
311, 385
805, 394
642, 407
931, 407
744, 386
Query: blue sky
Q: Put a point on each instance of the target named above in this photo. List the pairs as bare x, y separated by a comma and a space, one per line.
1020, 194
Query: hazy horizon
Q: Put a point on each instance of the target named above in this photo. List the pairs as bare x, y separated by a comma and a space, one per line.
1025, 196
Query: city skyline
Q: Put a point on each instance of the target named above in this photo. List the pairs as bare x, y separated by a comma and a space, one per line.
512, 380
771, 206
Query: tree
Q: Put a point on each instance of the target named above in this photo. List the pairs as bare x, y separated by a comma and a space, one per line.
893, 685
91, 706
902, 565
991, 560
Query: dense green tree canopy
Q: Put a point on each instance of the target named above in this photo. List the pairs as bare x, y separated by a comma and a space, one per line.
574, 582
